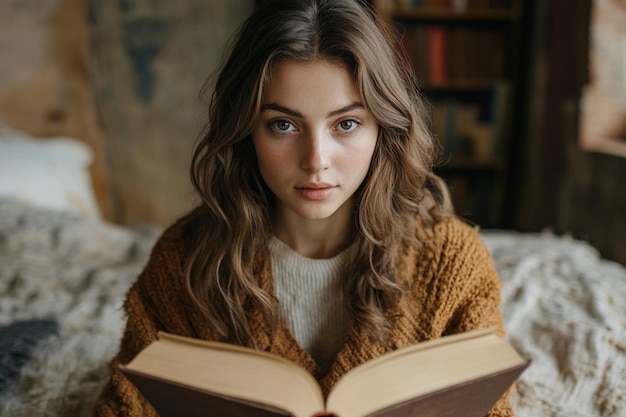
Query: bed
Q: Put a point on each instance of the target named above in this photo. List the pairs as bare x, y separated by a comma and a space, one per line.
64, 273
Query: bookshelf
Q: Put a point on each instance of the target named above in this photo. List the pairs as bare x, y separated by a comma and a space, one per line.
465, 56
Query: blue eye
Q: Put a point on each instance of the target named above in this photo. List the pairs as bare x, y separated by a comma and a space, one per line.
347, 126
282, 126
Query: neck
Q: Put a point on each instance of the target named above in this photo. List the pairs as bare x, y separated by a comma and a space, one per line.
318, 239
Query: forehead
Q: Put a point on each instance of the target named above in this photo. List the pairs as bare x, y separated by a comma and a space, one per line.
319, 82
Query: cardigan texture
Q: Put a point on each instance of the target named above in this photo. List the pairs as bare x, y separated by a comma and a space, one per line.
453, 287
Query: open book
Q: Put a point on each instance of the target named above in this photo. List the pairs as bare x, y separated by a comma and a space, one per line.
459, 375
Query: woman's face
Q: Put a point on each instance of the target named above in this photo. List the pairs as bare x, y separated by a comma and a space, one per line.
314, 138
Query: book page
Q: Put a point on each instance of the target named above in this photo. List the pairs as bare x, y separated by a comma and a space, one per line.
232, 371
417, 370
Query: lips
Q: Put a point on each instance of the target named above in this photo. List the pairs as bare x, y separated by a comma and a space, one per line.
316, 191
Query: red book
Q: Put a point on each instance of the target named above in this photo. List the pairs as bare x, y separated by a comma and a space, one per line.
437, 54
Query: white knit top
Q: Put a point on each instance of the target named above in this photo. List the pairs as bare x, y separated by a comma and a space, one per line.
311, 299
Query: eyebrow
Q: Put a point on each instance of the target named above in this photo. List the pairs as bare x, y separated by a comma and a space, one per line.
294, 113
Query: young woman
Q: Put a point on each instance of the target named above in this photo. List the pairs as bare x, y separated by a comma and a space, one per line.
322, 235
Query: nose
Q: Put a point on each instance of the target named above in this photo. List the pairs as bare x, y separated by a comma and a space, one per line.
316, 152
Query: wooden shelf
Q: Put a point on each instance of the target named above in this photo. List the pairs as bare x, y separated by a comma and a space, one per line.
461, 85
469, 164
466, 64
434, 14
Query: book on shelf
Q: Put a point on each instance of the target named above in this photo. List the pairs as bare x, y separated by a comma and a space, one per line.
441, 54
473, 125
457, 5
437, 54
463, 374
500, 108
415, 42
461, 131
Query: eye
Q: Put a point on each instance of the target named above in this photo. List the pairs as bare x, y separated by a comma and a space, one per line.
348, 125
282, 126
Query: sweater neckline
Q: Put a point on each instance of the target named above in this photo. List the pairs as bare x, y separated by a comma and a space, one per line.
357, 349
280, 249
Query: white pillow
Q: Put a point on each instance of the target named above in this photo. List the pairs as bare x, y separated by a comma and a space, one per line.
50, 173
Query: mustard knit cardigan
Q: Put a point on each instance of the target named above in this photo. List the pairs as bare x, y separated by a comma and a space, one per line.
453, 288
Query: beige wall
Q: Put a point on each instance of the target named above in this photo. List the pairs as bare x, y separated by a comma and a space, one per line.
123, 76
44, 84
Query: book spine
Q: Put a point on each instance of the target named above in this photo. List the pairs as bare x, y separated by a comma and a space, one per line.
450, 128
437, 54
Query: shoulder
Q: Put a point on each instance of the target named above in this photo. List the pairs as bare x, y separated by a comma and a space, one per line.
451, 236
171, 252
159, 298
453, 250
452, 282
182, 236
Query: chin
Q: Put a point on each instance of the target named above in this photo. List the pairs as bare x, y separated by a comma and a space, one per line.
316, 214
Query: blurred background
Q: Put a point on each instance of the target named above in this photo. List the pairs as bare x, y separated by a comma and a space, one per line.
528, 101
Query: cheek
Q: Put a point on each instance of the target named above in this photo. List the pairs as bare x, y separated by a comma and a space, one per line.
270, 160
361, 159
267, 155
261, 148
365, 162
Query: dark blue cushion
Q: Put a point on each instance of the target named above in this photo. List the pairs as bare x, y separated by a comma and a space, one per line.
17, 340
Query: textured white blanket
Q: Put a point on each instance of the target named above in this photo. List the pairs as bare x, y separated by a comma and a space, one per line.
565, 308
54, 265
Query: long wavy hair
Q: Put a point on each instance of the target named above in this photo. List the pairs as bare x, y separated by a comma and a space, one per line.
399, 189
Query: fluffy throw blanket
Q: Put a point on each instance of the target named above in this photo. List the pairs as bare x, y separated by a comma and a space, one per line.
565, 308
63, 280
71, 273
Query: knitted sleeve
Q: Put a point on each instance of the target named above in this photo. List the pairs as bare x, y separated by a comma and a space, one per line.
469, 296
157, 301
476, 283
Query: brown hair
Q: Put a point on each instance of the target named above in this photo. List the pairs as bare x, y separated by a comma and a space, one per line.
236, 206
